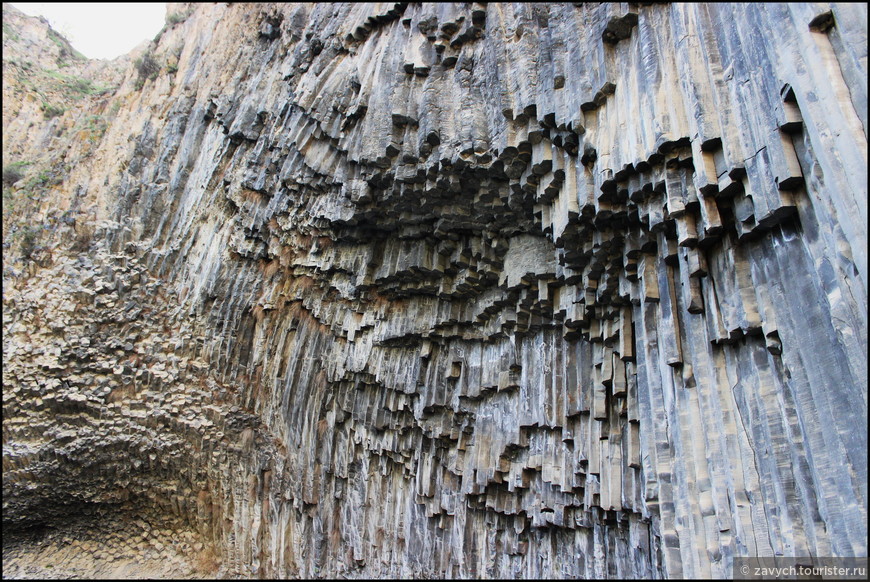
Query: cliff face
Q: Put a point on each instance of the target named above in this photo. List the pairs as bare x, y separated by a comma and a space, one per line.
512, 290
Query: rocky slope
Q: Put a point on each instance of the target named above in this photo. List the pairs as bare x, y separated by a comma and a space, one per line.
464, 290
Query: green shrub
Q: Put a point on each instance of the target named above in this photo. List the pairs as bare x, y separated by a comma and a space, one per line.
175, 18
147, 67
64, 47
49, 110
9, 32
94, 126
28, 236
37, 183
13, 172
71, 85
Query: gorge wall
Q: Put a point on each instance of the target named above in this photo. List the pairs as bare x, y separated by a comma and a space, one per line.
505, 290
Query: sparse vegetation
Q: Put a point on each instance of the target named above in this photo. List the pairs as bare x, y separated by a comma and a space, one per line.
49, 110
147, 67
14, 172
73, 86
93, 126
66, 49
56, 38
57, 89
30, 223
176, 17
172, 58
31, 240
28, 236
37, 183
9, 33
23, 226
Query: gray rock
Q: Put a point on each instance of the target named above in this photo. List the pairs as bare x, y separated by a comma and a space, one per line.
452, 290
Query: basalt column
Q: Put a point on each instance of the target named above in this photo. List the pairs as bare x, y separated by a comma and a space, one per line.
454, 290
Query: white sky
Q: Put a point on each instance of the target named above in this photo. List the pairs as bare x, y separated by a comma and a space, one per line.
101, 31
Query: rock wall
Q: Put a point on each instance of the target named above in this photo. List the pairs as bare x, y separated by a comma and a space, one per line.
506, 290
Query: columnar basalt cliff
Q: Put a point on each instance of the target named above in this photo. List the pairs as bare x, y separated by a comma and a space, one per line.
439, 290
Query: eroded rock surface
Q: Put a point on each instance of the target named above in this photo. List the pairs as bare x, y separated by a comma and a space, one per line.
442, 290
